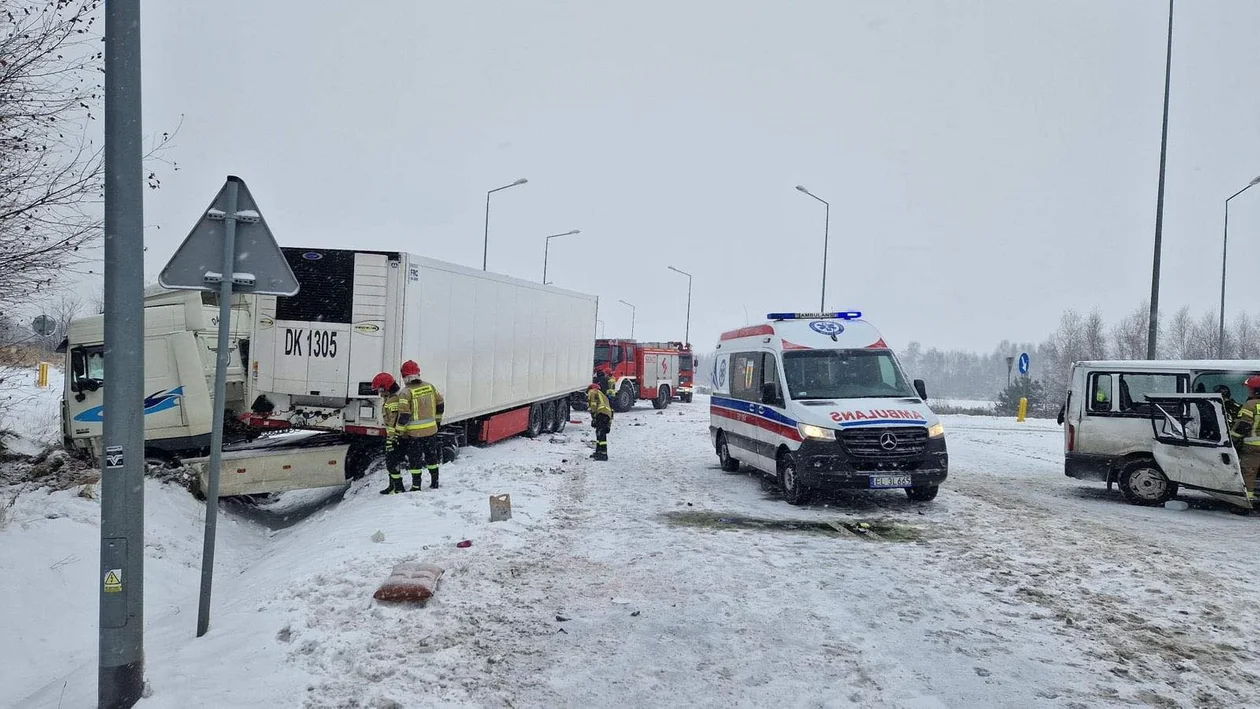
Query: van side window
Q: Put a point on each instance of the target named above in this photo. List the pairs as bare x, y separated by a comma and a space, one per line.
1134, 388
746, 376
1100, 397
770, 378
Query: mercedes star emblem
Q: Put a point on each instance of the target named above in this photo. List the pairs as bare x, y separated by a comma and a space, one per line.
888, 441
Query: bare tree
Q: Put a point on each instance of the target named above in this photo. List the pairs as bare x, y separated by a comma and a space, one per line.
1245, 337
1179, 339
51, 179
1095, 336
1128, 337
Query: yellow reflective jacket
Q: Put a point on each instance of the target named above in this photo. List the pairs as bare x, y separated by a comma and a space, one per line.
394, 406
426, 409
1247, 424
597, 402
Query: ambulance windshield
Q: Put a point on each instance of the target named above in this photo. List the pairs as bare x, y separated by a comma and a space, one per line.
844, 374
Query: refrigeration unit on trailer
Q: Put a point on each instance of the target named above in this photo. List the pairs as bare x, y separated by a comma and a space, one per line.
505, 353
180, 339
819, 401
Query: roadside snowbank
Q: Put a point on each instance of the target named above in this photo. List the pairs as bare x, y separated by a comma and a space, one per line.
31, 415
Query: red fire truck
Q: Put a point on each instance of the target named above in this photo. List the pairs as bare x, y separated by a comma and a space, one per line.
641, 370
686, 367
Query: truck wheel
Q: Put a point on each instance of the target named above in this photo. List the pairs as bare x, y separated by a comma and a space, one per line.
685, 398
793, 491
562, 415
923, 493
577, 402
729, 464
450, 451
548, 409
535, 421
662, 398
359, 458
1143, 483
624, 400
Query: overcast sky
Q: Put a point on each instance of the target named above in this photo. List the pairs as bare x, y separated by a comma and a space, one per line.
989, 163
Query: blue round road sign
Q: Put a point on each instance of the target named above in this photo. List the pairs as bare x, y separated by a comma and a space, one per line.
1023, 363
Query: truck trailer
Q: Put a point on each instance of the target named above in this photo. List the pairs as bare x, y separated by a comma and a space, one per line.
505, 353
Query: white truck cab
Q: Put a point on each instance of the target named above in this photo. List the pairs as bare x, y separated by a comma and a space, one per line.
1107, 418
820, 401
180, 340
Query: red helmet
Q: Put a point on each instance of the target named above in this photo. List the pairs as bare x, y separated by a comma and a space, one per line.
383, 381
593, 386
410, 368
1253, 382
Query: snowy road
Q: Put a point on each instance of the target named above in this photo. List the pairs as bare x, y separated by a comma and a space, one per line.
1016, 587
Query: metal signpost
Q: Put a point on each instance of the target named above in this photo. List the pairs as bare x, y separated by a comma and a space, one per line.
229, 250
120, 577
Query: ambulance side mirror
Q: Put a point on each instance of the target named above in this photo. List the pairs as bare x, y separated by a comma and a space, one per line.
921, 388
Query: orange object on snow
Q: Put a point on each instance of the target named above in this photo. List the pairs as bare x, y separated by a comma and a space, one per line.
410, 581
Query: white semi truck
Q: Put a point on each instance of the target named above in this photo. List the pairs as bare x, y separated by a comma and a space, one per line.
505, 353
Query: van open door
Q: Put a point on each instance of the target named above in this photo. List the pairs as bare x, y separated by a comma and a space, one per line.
1192, 445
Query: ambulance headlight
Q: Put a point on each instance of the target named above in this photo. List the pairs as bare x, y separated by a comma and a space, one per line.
936, 430
817, 433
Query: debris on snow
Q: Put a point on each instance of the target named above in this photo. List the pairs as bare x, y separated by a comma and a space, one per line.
464, 544
378, 537
1179, 505
410, 581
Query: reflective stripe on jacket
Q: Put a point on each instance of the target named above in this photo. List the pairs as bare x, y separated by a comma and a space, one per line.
1248, 423
393, 407
425, 401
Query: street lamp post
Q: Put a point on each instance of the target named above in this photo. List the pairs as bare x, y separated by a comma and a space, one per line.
485, 249
1153, 321
631, 317
826, 237
547, 249
1220, 339
687, 332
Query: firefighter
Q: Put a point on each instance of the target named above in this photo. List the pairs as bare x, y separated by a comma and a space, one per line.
424, 446
601, 420
397, 413
1231, 407
1247, 436
604, 381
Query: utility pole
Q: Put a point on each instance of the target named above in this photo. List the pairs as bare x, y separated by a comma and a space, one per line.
1153, 324
120, 676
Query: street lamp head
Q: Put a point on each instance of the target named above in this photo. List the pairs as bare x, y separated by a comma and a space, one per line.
1255, 181
677, 270
625, 303
801, 188
575, 231
520, 182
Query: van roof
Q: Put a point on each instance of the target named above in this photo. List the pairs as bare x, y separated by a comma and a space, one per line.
808, 333
1158, 364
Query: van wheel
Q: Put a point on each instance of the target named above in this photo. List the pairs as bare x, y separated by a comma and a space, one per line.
793, 491
535, 421
729, 464
1143, 483
562, 415
662, 398
925, 493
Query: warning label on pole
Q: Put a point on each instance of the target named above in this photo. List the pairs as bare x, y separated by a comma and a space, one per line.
113, 581
113, 456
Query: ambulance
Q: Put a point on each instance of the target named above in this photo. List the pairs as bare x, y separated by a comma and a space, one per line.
819, 401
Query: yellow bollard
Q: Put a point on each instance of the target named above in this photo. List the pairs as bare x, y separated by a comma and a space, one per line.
1023, 409
41, 379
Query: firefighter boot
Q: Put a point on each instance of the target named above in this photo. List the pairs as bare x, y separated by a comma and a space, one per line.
395, 485
433, 477
417, 479
601, 450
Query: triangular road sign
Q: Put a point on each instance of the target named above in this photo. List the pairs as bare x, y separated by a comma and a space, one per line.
260, 267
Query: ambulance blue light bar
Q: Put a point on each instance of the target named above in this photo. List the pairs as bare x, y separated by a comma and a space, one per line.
844, 315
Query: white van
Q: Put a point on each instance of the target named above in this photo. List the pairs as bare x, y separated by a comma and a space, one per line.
819, 401
1107, 432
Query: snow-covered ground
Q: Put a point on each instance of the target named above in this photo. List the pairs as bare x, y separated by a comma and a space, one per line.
1017, 587
31, 415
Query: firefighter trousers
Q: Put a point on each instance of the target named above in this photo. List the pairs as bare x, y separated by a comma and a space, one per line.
603, 424
424, 453
1249, 463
